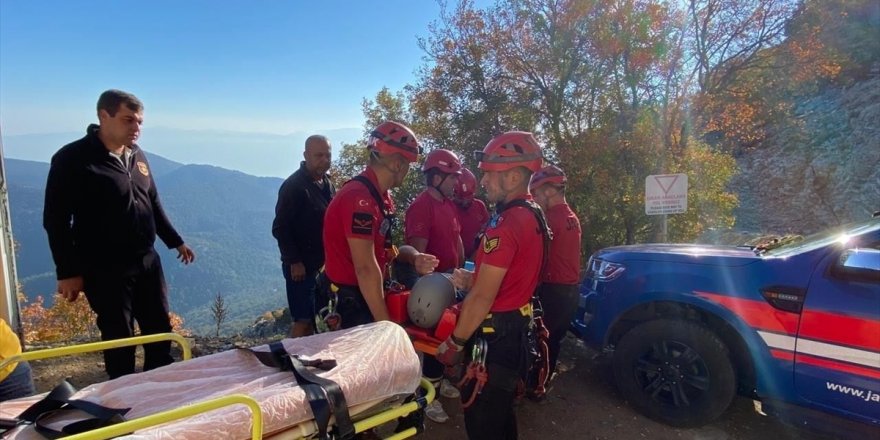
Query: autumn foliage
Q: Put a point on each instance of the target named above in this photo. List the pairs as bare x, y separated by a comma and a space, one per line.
65, 321
621, 89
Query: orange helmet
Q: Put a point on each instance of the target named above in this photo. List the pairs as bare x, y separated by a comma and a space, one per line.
394, 137
549, 174
444, 160
467, 184
510, 150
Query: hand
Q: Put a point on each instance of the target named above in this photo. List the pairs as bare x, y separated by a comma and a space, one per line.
462, 279
297, 271
450, 353
425, 263
185, 254
70, 288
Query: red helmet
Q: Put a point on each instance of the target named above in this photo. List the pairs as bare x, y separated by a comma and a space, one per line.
467, 184
444, 160
510, 150
549, 174
394, 137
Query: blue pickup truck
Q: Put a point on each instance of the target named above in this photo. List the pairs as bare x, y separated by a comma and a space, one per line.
796, 327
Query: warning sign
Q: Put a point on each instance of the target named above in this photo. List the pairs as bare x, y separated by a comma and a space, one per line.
666, 194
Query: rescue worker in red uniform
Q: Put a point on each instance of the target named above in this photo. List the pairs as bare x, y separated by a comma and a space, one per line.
497, 308
431, 226
357, 232
431, 223
472, 212
559, 282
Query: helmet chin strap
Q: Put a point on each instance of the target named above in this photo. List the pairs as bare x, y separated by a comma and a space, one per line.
437, 186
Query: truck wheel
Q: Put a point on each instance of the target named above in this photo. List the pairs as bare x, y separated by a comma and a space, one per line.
674, 371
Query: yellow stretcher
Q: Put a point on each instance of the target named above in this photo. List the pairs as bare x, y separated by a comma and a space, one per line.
376, 368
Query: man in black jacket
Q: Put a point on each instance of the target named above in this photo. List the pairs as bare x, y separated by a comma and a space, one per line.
298, 227
102, 214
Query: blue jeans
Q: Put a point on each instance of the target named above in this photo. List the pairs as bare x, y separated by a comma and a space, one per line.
18, 384
300, 295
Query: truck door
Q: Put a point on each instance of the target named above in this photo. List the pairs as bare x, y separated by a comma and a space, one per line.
837, 355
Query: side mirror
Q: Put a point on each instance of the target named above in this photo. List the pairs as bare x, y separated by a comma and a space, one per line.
860, 264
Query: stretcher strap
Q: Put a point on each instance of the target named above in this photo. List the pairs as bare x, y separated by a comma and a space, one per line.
325, 396
58, 401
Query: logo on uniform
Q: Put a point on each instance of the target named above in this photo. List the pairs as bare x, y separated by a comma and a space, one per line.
491, 244
142, 167
362, 223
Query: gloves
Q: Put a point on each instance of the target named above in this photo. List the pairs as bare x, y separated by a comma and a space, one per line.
450, 352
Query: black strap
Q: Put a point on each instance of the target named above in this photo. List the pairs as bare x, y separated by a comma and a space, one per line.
58, 401
544, 227
325, 396
389, 216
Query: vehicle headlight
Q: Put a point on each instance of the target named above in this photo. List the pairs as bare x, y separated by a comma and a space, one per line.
602, 270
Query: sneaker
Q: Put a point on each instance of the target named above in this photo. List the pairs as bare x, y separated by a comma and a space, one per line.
435, 412
448, 390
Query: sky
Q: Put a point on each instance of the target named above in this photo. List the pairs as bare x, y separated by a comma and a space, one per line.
269, 67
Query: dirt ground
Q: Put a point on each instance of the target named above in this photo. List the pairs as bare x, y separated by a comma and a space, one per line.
583, 404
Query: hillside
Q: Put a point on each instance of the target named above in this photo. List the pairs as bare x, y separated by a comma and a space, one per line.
822, 169
225, 215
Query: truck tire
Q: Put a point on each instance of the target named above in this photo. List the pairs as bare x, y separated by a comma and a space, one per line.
675, 371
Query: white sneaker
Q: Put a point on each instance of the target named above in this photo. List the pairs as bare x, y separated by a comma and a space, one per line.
448, 390
435, 412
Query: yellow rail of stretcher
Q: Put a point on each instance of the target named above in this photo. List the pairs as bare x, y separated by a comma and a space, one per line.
100, 346
257, 424
176, 414
208, 405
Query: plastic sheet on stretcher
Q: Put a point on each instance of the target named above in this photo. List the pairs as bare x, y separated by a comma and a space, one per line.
376, 363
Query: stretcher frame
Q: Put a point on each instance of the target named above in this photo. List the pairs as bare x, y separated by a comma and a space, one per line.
189, 410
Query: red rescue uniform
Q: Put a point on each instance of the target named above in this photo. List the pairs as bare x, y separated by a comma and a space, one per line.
472, 220
436, 221
353, 213
513, 240
563, 264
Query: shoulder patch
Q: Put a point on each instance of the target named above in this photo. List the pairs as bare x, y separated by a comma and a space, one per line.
142, 167
361, 223
491, 244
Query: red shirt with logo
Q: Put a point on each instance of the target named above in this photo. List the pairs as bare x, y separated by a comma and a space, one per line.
472, 220
513, 240
353, 213
563, 265
435, 221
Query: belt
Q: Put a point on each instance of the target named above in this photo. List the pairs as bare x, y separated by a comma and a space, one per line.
524, 311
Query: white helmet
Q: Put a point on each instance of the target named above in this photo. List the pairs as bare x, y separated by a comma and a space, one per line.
430, 296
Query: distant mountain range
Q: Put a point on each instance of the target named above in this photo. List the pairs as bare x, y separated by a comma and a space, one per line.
258, 154
224, 215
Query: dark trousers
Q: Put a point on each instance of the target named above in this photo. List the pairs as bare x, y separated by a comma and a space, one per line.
559, 302
121, 298
351, 305
491, 416
18, 383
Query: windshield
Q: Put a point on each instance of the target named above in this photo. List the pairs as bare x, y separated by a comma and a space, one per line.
824, 238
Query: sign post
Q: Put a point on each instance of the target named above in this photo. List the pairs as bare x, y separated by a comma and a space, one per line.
666, 194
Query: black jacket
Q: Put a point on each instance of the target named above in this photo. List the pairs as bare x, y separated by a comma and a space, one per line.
99, 215
299, 218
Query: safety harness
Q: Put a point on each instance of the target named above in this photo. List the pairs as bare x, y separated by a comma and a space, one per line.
325, 396
538, 338
327, 318
537, 364
389, 221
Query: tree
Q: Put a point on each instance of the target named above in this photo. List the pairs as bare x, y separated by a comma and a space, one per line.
601, 82
219, 310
